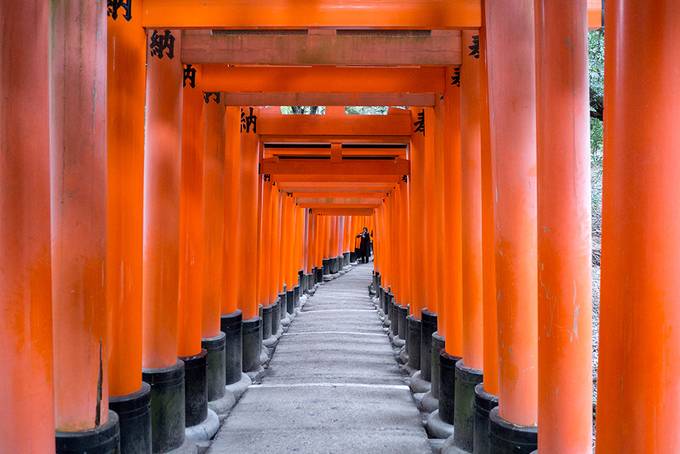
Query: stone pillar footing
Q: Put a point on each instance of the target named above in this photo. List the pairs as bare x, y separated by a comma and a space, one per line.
167, 406
231, 325
104, 439
134, 419
438, 344
484, 403
413, 342
215, 365
447, 389
508, 438
195, 388
438, 428
428, 327
252, 345
464, 415
267, 322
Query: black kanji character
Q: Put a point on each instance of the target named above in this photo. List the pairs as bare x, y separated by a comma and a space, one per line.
248, 120
112, 7
160, 43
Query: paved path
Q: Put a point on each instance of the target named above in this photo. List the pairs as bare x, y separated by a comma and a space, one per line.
333, 385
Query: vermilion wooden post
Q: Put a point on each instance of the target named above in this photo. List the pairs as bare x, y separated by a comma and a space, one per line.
78, 218
276, 244
471, 212
214, 195
638, 404
232, 225
162, 164
432, 229
191, 222
405, 240
124, 214
565, 384
418, 222
26, 384
510, 34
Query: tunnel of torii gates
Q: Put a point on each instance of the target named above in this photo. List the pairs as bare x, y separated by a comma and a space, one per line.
159, 220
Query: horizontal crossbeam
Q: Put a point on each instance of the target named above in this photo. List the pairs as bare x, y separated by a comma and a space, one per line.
354, 168
323, 47
343, 211
291, 126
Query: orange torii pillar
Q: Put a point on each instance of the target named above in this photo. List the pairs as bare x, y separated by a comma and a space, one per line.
639, 372
213, 340
287, 305
346, 235
510, 45
325, 238
486, 393
247, 242
270, 310
446, 341
318, 250
26, 386
296, 271
232, 316
468, 372
78, 226
565, 386
310, 224
162, 153
274, 267
129, 395
189, 307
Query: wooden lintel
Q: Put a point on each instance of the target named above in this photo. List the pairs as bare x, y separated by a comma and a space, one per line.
341, 48
336, 126
343, 211
322, 79
328, 99
314, 167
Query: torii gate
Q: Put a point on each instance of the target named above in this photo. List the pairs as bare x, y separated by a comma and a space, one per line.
56, 269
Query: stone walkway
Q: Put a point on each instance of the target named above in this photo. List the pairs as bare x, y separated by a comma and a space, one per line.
333, 385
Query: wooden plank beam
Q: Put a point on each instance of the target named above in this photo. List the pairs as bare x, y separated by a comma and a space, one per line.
343, 211
328, 99
325, 178
323, 47
288, 14
325, 152
322, 79
300, 14
292, 126
342, 186
340, 205
339, 195
312, 167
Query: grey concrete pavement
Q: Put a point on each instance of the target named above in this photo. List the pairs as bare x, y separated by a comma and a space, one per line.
333, 385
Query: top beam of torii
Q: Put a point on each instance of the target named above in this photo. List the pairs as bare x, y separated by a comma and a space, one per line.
292, 14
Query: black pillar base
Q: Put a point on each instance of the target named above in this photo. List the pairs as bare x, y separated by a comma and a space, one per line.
464, 418
296, 296
167, 406
428, 326
195, 388
381, 298
508, 438
301, 278
413, 342
252, 344
394, 317
267, 322
215, 366
438, 344
290, 302
345, 259
283, 306
276, 318
134, 419
401, 322
104, 439
310, 282
231, 325
352, 257
326, 266
447, 386
389, 298
484, 403
319, 275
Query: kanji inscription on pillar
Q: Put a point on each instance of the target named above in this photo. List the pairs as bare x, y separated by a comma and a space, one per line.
419, 125
248, 120
113, 7
162, 44
189, 76
212, 96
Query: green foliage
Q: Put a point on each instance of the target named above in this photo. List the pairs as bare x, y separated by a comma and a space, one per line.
596, 78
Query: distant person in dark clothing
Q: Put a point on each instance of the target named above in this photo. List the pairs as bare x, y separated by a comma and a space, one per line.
365, 245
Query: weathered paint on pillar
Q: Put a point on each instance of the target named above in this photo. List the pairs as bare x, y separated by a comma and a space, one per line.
565, 307
232, 179
126, 83
26, 384
639, 373
471, 213
488, 234
248, 212
214, 195
510, 34
78, 189
162, 154
191, 243
450, 317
